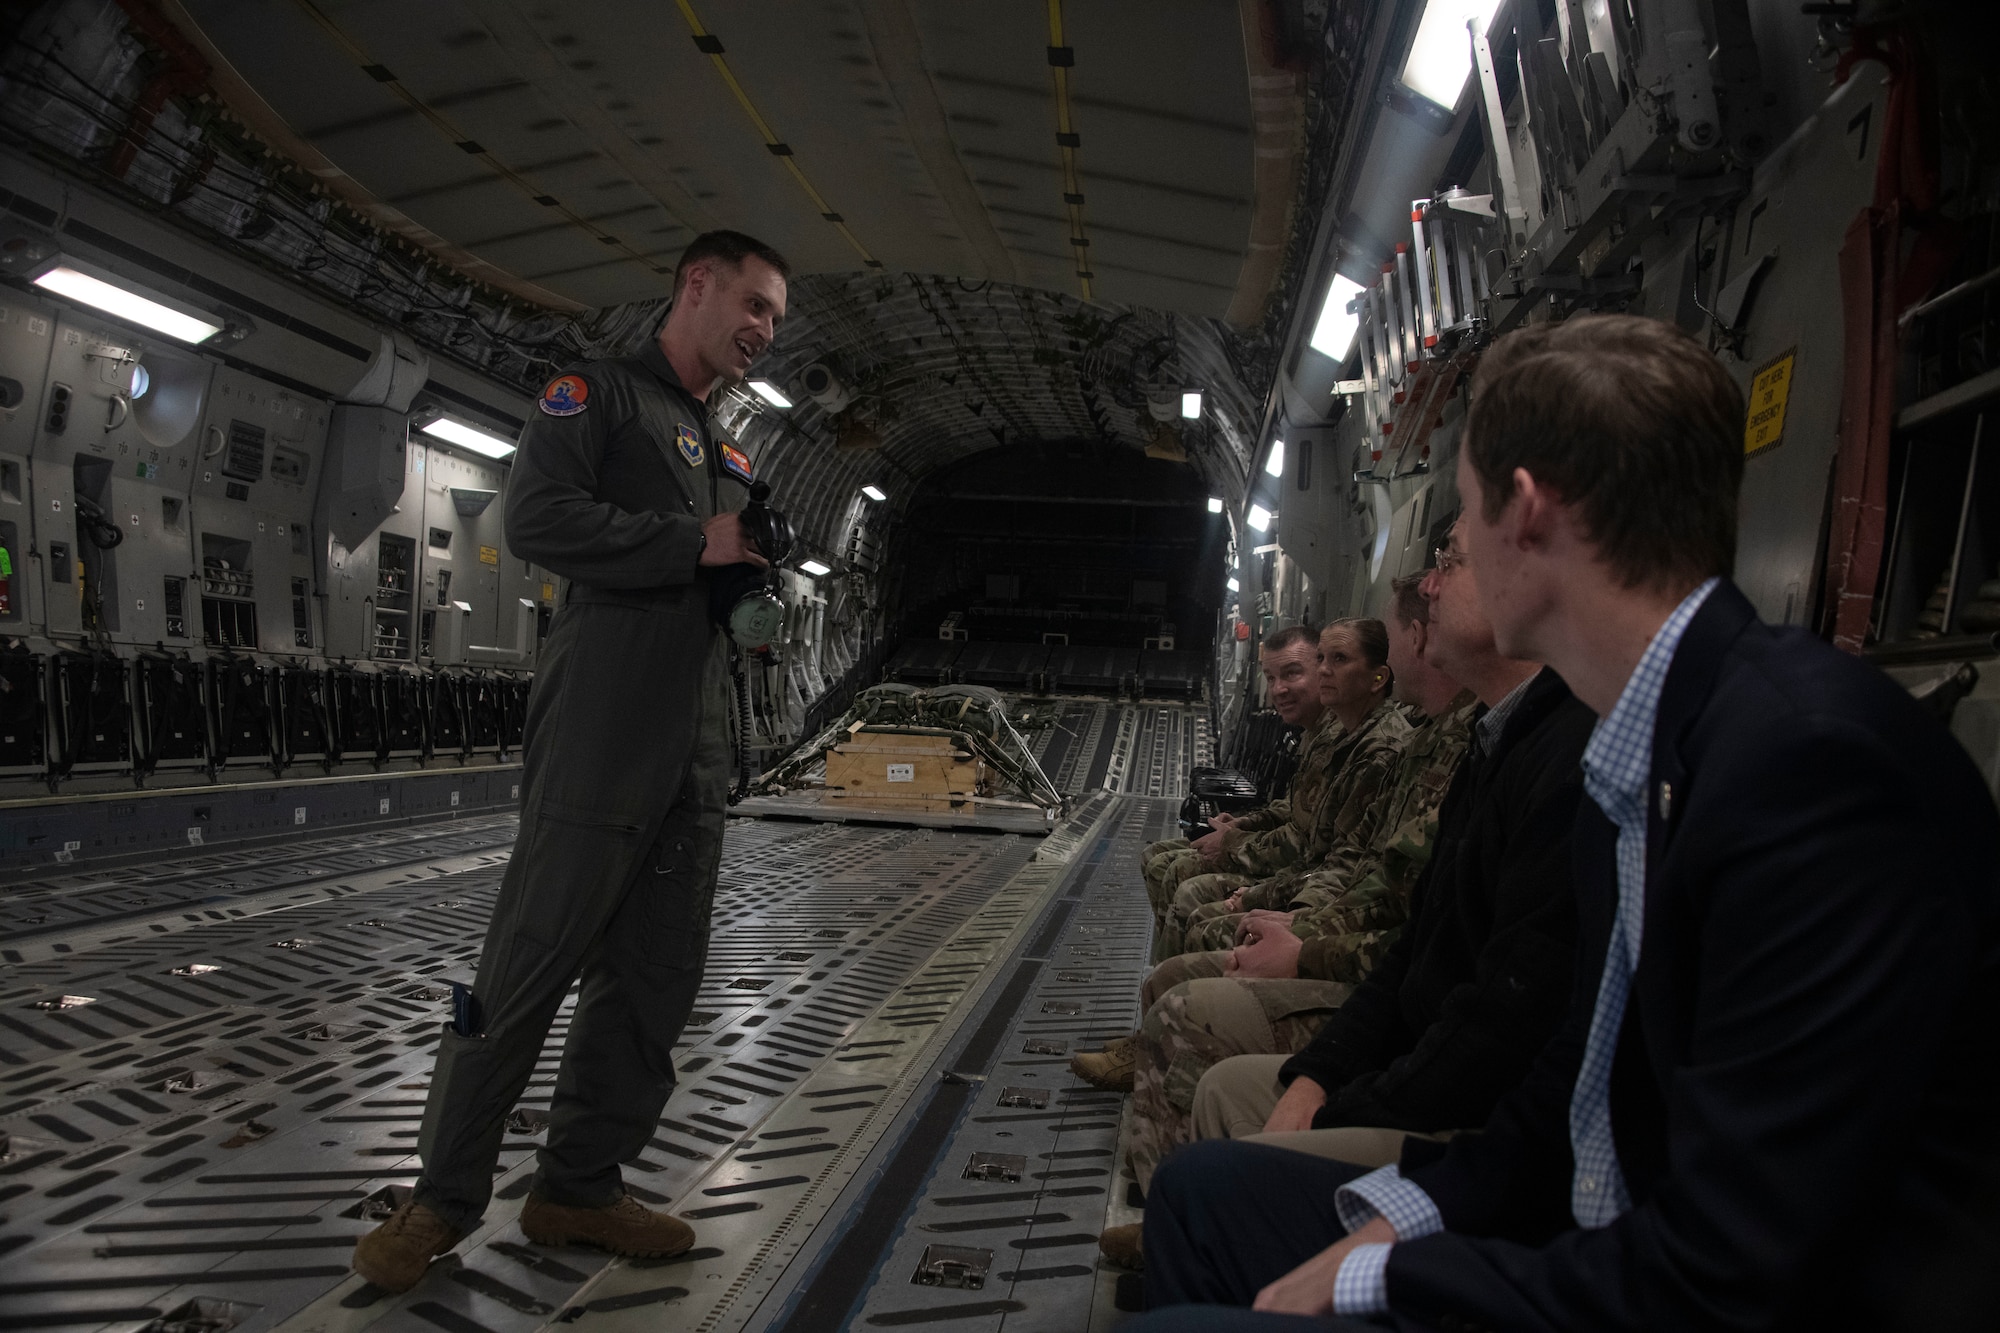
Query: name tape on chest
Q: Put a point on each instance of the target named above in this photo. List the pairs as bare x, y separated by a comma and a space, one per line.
689, 443
736, 463
566, 396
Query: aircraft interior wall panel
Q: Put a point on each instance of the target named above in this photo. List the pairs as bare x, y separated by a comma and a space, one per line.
461, 551
311, 340
1311, 518
346, 597
107, 442
261, 455
365, 474
524, 594
382, 613
1802, 199
27, 329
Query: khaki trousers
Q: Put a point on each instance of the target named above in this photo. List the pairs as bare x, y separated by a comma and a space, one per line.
1235, 1099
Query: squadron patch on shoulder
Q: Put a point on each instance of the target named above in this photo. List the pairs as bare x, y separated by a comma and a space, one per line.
566, 396
689, 444
737, 463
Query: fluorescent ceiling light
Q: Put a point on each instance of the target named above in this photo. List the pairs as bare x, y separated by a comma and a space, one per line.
1275, 464
128, 305
1214, 504
1333, 336
1260, 518
873, 492
1191, 404
770, 393
468, 436
1234, 586
1441, 56
814, 567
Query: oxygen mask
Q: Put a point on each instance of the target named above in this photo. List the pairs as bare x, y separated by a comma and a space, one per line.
743, 598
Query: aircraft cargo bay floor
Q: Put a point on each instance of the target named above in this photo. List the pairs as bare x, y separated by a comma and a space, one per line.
212, 1072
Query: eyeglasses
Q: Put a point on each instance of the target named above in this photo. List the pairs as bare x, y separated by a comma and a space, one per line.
1447, 559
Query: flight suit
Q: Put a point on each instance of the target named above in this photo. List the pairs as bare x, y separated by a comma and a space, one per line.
626, 766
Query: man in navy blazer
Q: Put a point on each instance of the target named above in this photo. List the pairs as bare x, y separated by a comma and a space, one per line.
1775, 1103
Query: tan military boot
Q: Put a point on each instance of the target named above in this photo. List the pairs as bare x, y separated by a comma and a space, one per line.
1111, 1068
394, 1255
627, 1228
1124, 1246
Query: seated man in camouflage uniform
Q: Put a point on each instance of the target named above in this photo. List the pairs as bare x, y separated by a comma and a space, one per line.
1289, 660
1462, 999
1368, 735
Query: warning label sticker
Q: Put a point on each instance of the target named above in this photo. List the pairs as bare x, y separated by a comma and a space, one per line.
1770, 389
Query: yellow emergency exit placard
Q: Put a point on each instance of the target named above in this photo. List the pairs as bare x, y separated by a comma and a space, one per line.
1770, 389
489, 555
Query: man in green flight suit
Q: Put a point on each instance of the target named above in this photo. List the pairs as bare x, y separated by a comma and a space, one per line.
622, 489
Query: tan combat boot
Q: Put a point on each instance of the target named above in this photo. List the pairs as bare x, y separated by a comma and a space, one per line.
627, 1228
1109, 1069
1124, 1246
394, 1255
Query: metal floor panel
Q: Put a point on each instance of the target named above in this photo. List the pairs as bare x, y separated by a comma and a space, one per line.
217, 1133
1141, 749
1041, 1229
50, 905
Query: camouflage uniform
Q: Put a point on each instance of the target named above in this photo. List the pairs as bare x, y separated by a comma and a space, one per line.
1349, 906
1152, 867
1195, 1026
1181, 967
1166, 865
1197, 1016
1358, 768
1157, 850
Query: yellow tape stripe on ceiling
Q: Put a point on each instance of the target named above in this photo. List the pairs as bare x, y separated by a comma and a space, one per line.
472, 148
711, 45
1068, 142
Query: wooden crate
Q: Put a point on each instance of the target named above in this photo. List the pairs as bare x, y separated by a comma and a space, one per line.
904, 772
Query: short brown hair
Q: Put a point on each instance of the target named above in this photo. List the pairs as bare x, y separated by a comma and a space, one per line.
1412, 607
1372, 636
1290, 636
732, 248
1631, 421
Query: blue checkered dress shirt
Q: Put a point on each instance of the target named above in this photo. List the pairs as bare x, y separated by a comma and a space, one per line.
1617, 767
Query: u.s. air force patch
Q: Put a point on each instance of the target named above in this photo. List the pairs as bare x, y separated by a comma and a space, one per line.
736, 463
566, 396
689, 444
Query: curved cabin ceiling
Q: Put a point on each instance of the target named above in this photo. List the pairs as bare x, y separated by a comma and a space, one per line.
1006, 221
578, 146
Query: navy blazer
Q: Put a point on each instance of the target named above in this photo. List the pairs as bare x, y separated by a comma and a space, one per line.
1806, 1093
